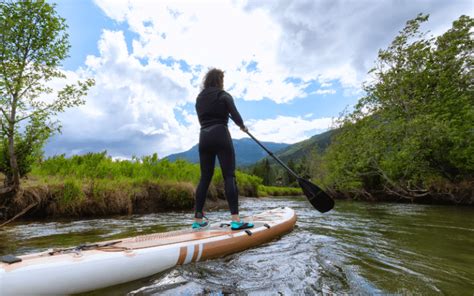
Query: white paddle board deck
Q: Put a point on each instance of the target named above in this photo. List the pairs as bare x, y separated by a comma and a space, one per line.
94, 266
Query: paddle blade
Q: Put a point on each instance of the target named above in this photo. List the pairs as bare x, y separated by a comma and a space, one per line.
316, 196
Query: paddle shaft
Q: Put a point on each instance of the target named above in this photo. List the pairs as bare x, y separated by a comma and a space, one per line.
316, 196
272, 155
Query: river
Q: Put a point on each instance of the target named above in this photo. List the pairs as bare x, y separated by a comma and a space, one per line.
357, 248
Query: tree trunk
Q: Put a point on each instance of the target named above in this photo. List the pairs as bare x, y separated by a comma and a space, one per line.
14, 178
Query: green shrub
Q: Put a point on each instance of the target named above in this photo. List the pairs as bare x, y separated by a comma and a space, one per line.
71, 192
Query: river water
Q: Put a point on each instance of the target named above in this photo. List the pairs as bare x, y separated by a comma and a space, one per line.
357, 248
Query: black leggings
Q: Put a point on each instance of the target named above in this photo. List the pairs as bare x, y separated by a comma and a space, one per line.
216, 141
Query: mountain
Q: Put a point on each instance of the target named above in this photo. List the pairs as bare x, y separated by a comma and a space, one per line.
246, 152
299, 150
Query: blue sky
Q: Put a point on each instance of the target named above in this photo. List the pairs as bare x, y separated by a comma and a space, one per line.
291, 66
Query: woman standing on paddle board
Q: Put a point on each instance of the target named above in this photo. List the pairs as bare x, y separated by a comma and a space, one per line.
213, 106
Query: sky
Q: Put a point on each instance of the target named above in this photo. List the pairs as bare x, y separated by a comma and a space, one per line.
292, 67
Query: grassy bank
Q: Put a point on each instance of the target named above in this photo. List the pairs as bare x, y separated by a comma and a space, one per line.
94, 185
278, 191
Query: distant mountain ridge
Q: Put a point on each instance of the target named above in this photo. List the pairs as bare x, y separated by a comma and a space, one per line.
246, 152
301, 149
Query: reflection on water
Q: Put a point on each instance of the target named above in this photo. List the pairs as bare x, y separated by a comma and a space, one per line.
358, 248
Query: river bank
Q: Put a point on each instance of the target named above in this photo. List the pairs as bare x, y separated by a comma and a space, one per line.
53, 197
56, 198
95, 185
461, 193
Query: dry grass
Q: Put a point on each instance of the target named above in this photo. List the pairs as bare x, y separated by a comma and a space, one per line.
70, 198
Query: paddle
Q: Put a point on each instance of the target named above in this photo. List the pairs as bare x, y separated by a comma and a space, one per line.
320, 200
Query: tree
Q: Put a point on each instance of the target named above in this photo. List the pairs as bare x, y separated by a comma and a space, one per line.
412, 132
267, 172
291, 180
315, 166
33, 43
263, 170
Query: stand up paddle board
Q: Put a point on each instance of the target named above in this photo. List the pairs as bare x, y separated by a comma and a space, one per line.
94, 266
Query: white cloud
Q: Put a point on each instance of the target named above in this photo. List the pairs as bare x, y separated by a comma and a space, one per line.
268, 49
116, 9
130, 110
284, 129
225, 36
325, 91
329, 40
339, 40
326, 84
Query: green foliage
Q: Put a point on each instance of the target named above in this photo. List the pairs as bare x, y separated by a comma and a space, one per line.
263, 170
34, 43
28, 147
101, 174
72, 192
102, 166
298, 155
99, 166
278, 191
288, 178
300, 150
176, 196
414, 126
248, 184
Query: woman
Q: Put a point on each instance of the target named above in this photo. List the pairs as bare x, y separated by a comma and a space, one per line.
213, 106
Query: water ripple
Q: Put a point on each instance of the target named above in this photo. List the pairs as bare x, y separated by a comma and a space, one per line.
358, 248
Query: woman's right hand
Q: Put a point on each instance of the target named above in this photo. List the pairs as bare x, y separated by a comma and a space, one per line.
244, 128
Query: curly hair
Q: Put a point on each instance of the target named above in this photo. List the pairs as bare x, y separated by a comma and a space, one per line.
213, 78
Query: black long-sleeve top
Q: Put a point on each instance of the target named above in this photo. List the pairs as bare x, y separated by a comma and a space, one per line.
213, 106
